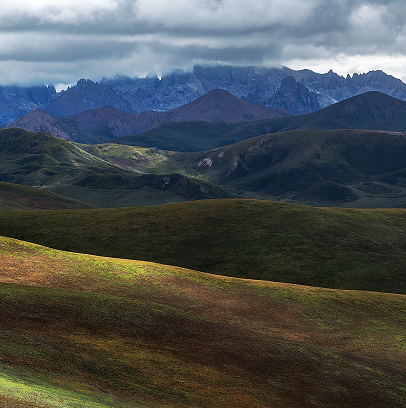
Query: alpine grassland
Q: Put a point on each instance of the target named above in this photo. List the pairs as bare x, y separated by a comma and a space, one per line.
19, 197
79, 330
327, 247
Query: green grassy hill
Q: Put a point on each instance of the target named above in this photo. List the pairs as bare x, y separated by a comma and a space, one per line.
84, 331
341, 168
37, 159
355, 168
330, 247
128, 190
102, 175
18, 197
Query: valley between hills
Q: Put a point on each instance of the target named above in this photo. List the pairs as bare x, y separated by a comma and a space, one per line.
198, 257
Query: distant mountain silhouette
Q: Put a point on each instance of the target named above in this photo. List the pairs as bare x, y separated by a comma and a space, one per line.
215, 119
370, 111
217, 105
102, 124
40, 121
93, 117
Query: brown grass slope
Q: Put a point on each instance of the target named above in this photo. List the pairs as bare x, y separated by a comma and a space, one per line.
219, 105
130, 334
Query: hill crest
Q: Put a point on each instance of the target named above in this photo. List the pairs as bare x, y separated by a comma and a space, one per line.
219, 105
93, 117
40, 121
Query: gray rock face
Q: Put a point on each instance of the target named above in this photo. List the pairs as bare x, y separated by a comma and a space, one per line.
305, 91
85, 95
16, 101
297, 91
294, 97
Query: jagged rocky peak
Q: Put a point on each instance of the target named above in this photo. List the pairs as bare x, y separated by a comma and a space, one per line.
254, 84
294, 97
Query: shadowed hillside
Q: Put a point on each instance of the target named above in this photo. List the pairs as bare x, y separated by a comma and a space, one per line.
18, 197
353, 168
336, 248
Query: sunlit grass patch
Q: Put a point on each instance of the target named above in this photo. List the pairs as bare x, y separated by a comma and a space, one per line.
23, 387
94, 327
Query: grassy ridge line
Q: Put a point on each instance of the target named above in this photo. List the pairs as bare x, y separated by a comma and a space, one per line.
18, 197
41, 159
337, 248
164, 336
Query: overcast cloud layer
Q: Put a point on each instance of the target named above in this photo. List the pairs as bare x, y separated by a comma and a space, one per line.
60, 42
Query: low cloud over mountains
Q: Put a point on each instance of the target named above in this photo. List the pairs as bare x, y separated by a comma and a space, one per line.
48, 42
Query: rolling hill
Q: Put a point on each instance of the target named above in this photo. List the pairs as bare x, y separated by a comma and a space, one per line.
85, 331
18, 197
370, 111
341, 168
42, 160
37, 159
40, 121
330, 247
72, 128
360, 168
94, 117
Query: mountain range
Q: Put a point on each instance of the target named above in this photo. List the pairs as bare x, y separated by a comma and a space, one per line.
107, 123
215, 119
350, 153
299, 92
372, 110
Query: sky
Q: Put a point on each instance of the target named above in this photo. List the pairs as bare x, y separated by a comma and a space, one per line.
61, 41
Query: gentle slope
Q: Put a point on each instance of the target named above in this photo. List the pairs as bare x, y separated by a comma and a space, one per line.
79, 330
337, 248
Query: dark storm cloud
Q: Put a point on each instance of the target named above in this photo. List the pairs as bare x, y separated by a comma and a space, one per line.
72, 50
230, 55
134, 37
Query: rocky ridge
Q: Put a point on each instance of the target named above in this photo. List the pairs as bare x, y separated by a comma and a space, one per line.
299, 92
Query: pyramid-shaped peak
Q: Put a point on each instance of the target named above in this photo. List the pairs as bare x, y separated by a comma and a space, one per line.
34, 115
219, 94
219, 105
40, 121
